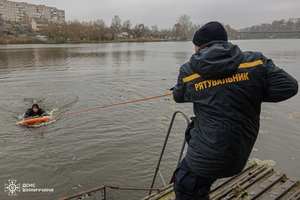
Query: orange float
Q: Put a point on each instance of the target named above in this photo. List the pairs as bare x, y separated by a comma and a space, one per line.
34, 120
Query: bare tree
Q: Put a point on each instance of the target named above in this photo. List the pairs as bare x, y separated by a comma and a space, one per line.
177, 31
66, 31
51, 30
82, 30
166, 33
155, 30
127, 27
78, 30
115, 25
139, 30
232, 34
99, 29
186, 25
89, 31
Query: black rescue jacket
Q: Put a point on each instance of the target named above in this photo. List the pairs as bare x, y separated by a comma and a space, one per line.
29, 113
227, 87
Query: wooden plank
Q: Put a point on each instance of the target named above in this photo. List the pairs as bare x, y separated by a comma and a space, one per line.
267, 184
223, 181
259, 181
281, 190
248, 178
295, 196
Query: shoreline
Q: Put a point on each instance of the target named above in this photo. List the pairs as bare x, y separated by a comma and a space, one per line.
38, 41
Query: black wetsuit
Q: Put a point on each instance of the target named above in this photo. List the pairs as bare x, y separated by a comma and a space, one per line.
29, 113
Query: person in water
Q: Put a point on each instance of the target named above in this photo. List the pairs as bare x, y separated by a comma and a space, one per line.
35, 111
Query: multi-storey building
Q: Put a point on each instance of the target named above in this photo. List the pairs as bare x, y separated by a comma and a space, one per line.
294, 20
22, 12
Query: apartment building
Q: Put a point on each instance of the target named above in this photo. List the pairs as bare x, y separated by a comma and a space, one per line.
294, 20
22, 12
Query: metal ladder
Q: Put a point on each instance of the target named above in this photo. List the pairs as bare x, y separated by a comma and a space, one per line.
163, 149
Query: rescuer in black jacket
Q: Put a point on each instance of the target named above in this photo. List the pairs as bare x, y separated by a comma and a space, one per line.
226, 87
35, 111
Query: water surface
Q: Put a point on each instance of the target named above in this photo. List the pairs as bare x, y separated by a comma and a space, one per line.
117, 145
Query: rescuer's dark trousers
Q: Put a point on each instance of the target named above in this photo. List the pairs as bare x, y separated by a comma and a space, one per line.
189, 186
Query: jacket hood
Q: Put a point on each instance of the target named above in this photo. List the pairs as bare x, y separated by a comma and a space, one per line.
216, 60
35, 106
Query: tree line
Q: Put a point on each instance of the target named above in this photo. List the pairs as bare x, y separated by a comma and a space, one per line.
276, 25
98, 31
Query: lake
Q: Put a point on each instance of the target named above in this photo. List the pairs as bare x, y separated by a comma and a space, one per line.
93, 143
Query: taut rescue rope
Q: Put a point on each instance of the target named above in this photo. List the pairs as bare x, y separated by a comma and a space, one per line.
111, 105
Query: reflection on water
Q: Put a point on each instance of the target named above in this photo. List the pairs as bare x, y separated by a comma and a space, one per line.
181, 57
116, 145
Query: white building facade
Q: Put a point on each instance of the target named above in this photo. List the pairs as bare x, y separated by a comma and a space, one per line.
22, 12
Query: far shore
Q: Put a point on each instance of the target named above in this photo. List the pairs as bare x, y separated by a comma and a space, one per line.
129, 40
38, 41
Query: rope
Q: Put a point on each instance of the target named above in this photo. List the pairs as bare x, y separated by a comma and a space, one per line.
111, 105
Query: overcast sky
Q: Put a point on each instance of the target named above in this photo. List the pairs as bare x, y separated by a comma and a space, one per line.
165, 13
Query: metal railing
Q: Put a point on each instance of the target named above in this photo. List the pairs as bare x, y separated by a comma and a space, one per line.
163, 149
